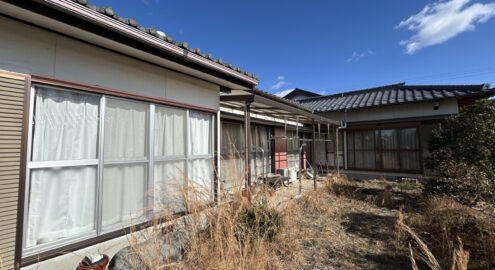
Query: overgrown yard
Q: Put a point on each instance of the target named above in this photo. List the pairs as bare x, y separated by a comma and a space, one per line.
343, 225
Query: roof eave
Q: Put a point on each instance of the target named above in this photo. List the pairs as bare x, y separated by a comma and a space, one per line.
87, 14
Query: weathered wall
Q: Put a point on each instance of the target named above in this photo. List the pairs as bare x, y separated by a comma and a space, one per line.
27, 49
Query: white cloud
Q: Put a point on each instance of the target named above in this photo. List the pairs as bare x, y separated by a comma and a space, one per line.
283, 93
357, 56
443, 20
322, 92
279, 83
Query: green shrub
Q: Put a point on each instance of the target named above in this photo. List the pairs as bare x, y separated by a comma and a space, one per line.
465, 191
464, 144
261, 221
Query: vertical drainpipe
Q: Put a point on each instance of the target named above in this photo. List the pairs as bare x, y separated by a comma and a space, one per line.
219, 149
247, 146
313, 153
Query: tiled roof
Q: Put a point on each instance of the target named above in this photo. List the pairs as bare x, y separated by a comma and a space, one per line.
108, 11
298, 94
393, 94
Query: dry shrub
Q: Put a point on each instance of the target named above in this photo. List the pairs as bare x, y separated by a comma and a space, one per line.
242, 232
441, 225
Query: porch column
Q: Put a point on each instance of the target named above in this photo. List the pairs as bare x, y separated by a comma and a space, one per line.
313, 153
336, 149
247, 144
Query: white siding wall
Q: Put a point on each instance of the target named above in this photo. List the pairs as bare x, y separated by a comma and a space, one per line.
27, 49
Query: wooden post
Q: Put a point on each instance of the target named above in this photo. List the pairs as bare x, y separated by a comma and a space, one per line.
247, 144
313, 153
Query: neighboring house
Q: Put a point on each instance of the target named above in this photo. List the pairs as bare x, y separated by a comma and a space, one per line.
298, 94
388, 127
100, 118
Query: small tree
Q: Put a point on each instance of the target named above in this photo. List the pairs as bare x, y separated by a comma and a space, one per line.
463, 153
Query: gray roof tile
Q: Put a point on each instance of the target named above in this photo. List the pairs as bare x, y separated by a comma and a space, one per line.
393, 94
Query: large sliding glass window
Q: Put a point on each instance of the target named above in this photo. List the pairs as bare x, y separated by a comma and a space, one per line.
125, 161
384, 149
63, 167
97, 164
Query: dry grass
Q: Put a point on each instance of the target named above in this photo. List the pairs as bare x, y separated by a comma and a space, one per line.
342, 225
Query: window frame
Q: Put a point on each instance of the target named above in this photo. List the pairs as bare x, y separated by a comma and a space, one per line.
99, 232
378, 149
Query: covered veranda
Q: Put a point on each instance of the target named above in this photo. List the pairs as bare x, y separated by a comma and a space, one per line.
262, 106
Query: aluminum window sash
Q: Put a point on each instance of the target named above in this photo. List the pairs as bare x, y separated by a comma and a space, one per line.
199, 157
101, 155
27, 179
151, 155
58, 243
62, 163
49, 86
169, 158
126, 161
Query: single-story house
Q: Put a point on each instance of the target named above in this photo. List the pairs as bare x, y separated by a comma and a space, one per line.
387, 128
101, 118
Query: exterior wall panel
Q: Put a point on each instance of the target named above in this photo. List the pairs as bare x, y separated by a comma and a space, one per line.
12, 91
58, 56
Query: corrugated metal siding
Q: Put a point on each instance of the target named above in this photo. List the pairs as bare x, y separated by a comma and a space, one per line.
12, 88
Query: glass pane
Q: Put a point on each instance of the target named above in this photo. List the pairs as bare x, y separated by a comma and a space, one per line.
200, 133
201, 176
126, 130
359, 159
231, 138
350, 141
169, 185
232, 172
368, 160
124, 193
409, 160
368, 140
66, 125
409, 139
389, 139
390, 160
170, 131
61, 204
358, 141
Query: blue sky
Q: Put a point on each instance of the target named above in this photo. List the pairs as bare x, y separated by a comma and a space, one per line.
333, 46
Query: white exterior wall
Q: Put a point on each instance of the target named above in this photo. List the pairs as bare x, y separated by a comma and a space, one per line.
28, 49
448, 106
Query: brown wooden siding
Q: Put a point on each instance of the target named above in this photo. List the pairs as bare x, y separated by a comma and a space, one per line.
12, 98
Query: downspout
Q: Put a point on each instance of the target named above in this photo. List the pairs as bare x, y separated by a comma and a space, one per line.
343, 125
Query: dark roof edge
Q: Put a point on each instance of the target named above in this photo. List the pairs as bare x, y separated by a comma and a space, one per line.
354, 91
486, 94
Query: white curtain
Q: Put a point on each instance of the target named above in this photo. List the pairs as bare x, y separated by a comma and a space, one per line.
200, 133
62, 200
200, 170
170, 131
201, 173
170, 143
126, 140
169, 185
66, 125
126, 130
124, 191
